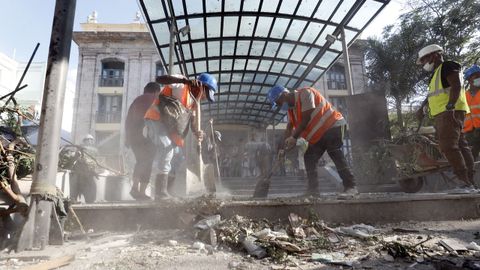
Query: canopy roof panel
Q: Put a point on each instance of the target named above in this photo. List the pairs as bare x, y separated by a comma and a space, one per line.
251, 45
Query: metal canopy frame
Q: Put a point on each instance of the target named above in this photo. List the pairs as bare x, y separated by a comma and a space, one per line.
251, 45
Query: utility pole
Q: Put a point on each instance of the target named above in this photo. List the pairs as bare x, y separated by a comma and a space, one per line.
36, 230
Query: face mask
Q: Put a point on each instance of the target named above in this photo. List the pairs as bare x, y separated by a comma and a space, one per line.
476, 82
428, 67
284, 107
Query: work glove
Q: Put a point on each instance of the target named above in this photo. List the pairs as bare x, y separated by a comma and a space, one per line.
290, 142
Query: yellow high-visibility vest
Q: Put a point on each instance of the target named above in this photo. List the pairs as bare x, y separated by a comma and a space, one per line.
438, 96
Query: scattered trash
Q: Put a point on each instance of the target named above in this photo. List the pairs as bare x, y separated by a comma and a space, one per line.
253, 249
335, 258
360, 230
473, 246
453, 245
198, 246
172, 243
208, 222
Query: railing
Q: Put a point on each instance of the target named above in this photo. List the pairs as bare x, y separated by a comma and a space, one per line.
336, 85
111, 81
109, 117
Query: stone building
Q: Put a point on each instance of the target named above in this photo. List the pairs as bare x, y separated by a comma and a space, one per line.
117, 60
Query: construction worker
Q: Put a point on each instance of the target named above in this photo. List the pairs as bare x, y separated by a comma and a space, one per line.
184, 95
471, 126
84, 171
143, 148
447, 104
313, 118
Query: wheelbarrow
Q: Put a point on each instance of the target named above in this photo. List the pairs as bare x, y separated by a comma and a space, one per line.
417, 156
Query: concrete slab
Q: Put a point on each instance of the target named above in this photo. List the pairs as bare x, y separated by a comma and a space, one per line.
365, 208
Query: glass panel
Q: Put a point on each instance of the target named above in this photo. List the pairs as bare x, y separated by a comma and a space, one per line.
270, 6
196, 29
295, 30
285, 51
227, 64
342, 10
246, 27
313, 29
201, 66
194, 6
257, 48
271, 79
234, 88
242, 47
290, 68
327, 59
248, 78
277, 67
239, 64
162, 33
213, 48
213, 65
337, 45
282, 80
251, 5
213, 27
288, 6
263, 26
230, 26
252, 64
186, 51
260, 78
228, 47
271, 49
265, 65
299, 53
214, 6
178, 9
190, 69
313, 74
198, 50
326, 8
322, 39
236, 77
154, 9
306, 8
231, 5
311, 54
279, 28
291, 83
225, 77
364, 14
300, 70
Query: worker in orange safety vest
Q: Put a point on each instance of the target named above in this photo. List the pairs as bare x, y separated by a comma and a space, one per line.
471, 126
189, 93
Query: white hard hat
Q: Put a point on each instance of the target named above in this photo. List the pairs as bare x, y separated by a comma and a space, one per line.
89, 137
428, 50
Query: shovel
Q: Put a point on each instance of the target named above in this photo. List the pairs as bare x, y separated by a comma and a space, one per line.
263, 185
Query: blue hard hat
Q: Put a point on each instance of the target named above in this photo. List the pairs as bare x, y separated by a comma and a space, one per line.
274, 93
211, 83
470, 71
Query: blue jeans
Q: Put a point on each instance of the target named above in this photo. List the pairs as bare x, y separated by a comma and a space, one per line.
157, 133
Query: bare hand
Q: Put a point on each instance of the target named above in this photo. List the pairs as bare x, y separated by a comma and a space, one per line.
290, 142
195, 83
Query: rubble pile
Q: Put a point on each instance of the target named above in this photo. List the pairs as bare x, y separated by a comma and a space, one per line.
311, 240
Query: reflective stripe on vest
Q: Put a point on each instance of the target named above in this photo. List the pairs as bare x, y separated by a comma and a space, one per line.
322, 118
472, 120
438, 96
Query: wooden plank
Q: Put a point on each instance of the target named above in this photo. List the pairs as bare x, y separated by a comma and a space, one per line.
52, 264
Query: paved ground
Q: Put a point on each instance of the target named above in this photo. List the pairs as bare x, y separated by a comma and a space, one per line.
158, 250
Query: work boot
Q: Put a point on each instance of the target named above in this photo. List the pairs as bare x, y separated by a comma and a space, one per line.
161, 185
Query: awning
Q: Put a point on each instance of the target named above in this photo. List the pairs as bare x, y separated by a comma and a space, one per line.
251, 45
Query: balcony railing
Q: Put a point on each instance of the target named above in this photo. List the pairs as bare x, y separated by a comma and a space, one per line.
111, 81
109, 117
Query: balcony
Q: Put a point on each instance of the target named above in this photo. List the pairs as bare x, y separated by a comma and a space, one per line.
109, 117
111, 81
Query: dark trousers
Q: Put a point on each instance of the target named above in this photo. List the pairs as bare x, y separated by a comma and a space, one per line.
473, 139
332, 142
453, 144
144, 151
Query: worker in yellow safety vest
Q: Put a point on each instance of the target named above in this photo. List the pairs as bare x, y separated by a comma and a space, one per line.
159, 128
471, 126
313, 118
447, 104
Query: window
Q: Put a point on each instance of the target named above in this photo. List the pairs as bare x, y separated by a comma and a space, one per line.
336, 78
159, 70
112, 74
109, 109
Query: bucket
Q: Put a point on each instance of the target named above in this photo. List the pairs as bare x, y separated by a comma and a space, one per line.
117, 188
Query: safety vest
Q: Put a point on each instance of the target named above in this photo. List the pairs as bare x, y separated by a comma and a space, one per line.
472, 119
323, 116
438, 96
180, 93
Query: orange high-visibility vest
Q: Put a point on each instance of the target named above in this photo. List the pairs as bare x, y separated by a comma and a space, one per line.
183, 95
322, 118
472, 119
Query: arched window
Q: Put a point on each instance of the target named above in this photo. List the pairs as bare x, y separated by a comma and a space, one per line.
112, 73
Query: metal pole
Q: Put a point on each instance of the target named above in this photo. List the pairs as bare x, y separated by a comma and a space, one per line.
346, 62
172, 46
36, 230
